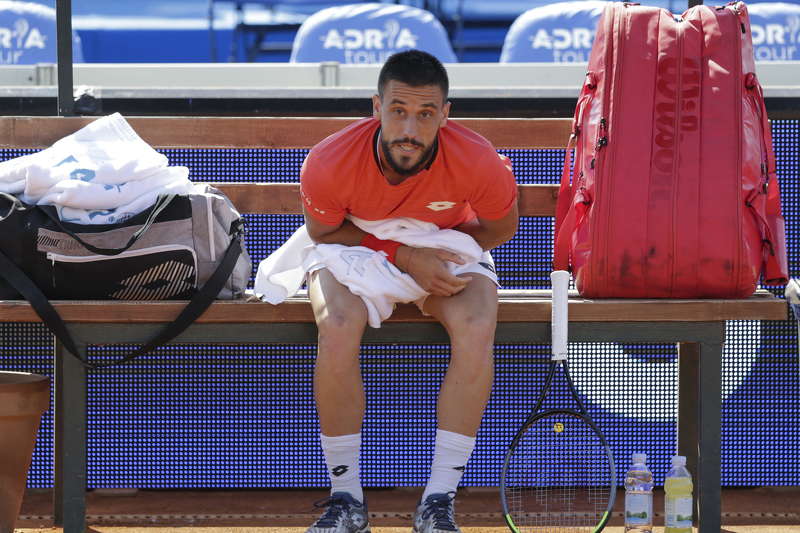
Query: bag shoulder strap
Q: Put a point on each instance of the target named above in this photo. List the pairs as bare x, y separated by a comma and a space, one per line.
776, 268
566, 214
196, 307
38, 301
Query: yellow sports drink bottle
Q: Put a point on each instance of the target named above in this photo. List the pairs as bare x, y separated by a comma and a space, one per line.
678, 497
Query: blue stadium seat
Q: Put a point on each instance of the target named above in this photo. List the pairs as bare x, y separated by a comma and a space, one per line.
28, 35
557, 33
369, 33
775, 28
281, 15
564, 32
477, 28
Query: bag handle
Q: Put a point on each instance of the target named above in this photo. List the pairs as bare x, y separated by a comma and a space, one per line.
196, 306
566, 214
775, 268
161, 203
565, 217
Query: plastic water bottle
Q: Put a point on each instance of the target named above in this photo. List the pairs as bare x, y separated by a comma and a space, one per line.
678, 497
639, 496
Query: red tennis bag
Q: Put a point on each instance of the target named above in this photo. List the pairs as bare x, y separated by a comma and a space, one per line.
673, 191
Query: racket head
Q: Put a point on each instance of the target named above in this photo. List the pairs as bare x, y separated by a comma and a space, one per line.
558, 475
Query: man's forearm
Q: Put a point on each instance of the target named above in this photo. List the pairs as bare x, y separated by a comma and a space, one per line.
487, 238
348, 234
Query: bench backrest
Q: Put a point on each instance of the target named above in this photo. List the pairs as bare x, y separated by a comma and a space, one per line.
286, 133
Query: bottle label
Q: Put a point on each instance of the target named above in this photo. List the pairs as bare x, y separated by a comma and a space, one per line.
638, 508
679, 512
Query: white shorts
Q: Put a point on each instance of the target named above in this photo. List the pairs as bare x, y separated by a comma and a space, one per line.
484, 267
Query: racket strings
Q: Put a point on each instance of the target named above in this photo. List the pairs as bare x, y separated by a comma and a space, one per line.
559, 395
558, 477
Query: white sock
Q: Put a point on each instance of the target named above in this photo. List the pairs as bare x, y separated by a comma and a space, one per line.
341, 456
450, 457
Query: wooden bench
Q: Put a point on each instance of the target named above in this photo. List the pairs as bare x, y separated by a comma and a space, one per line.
697, 326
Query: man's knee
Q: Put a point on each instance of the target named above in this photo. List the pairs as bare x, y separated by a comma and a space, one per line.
339, 343
473, 326
341, 326
341, 316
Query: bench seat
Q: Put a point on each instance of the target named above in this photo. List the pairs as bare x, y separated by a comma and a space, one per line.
515, 306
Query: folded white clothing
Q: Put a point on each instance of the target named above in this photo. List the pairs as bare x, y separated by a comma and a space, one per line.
89, 195
106, 151
13, 174
121, 213
419, 234
12, 187
103, 167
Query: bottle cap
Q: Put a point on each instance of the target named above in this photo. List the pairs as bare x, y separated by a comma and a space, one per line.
679, 460
640, 458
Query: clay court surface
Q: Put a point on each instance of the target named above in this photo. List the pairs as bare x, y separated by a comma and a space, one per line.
762, 510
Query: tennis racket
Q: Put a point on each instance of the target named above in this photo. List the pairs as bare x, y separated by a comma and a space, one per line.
558, 475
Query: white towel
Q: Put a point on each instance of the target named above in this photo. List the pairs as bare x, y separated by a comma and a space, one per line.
282, 274
366, 273
419, 234
95, 174
137, 204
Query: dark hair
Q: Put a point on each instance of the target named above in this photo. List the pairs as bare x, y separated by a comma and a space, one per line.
414, 68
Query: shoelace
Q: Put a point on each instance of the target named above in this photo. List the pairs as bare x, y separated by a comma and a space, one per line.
440, 509
335, 507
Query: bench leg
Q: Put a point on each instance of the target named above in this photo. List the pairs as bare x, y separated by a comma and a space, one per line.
700, 435
69, 446
689, 410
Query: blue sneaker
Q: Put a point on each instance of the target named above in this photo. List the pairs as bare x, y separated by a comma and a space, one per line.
435, 514
343, 514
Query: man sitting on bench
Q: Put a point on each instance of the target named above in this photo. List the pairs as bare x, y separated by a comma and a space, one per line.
406, 161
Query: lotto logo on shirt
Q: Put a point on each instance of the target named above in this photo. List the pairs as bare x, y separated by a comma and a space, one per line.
440, 206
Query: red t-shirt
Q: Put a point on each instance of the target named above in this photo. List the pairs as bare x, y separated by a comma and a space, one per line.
468, 177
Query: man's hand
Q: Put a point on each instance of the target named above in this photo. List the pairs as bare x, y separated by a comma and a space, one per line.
427, 267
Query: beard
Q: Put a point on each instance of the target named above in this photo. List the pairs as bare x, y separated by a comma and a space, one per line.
403, 165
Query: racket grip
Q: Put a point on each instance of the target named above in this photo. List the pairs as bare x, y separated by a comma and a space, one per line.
560, 317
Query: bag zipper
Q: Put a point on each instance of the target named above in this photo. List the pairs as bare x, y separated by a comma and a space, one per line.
210, 222
679, 29
61, 258
602, 140
738, 101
